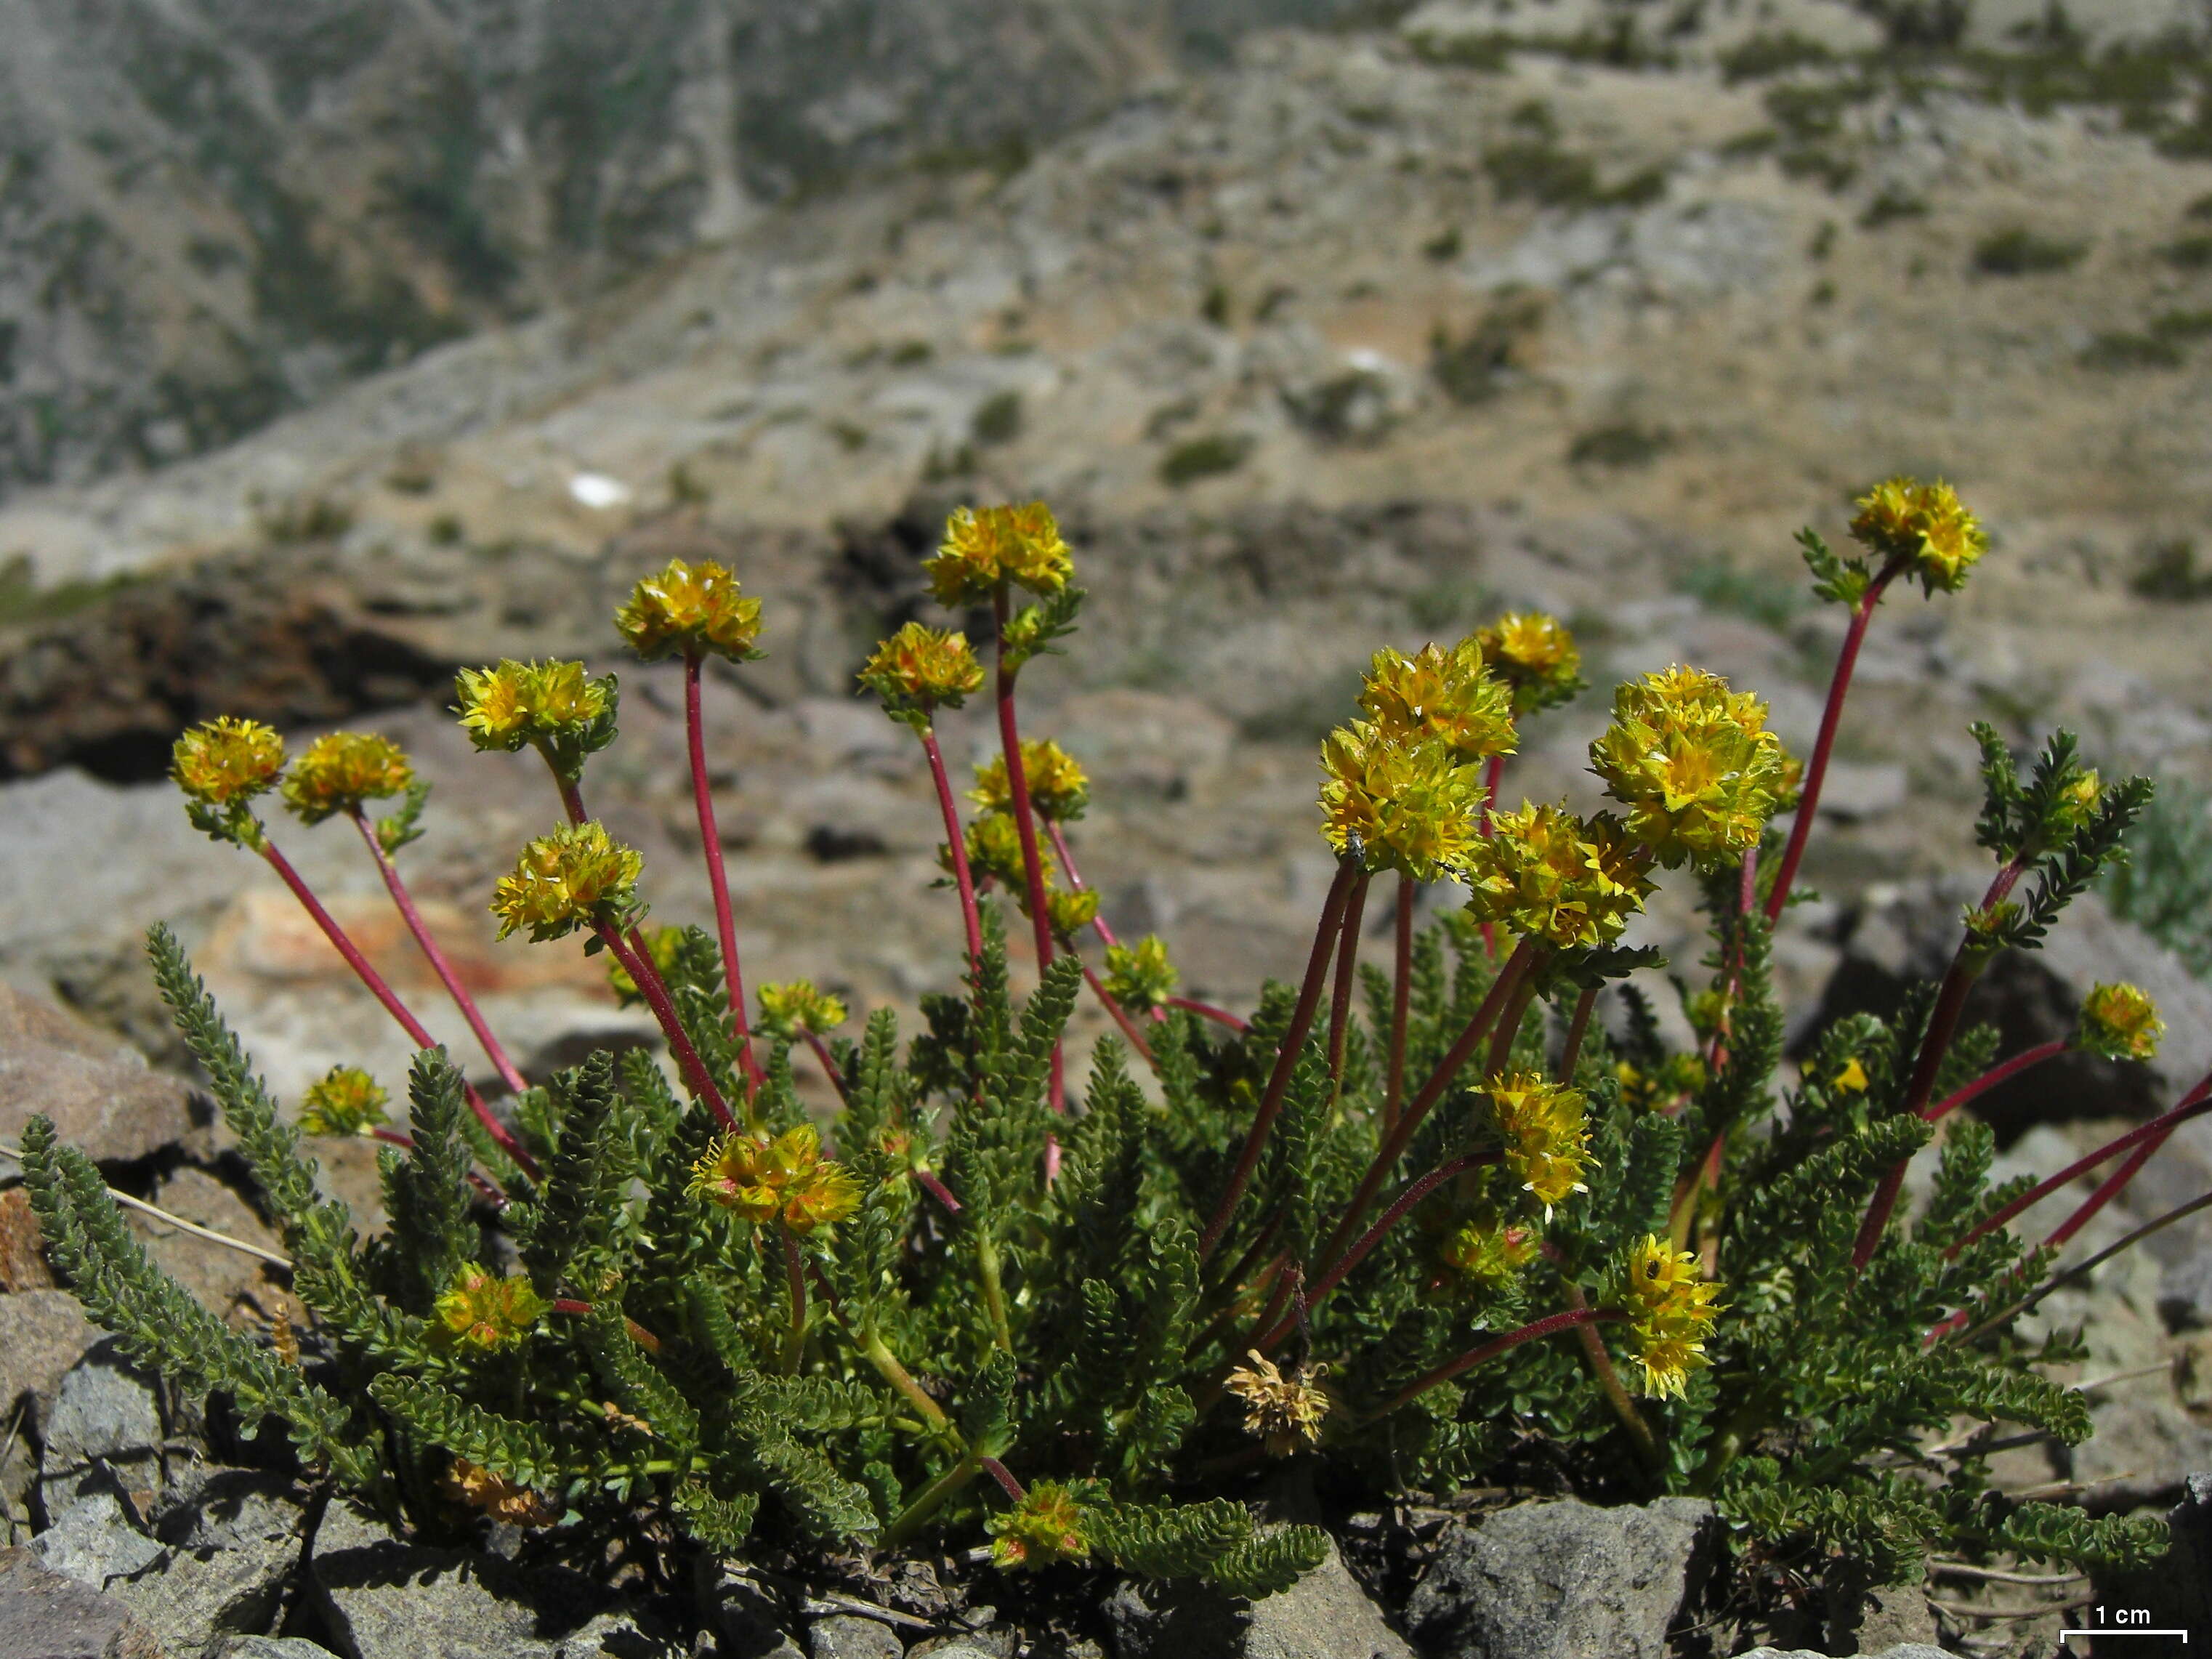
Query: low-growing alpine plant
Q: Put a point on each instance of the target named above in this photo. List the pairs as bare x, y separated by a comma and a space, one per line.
1421, 1219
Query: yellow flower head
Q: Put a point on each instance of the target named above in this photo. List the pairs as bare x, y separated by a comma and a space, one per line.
1070, 911
226, 762
695, 609
473, 1486
786, 1177
995, 848
1487, 1253
1925, 525
1412, 807
1695, 764
486, 1313
1536, 655
1058, 789
788, 1009
577, 876
1139, 977
2120, 1023
344, 1101
986, 547
1547, 874
340, 771
1851, 1080
1656, 1273
1671, 1312
1285, 1412
919, 669
1044, 1528
1545, 1134
661, 946
1440, 693
514, 703
2079, 798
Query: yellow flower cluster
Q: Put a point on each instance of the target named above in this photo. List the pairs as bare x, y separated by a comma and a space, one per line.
995, 848
1547, 874
1668, 1086
985, 548
1536, 656
1926, 526
1285, 1412
1694, 763
1440, 693
514, 703
575, 877
344, 1101
1139, 975
485, 1312
1545, 1133
1671, 1312
2120, 1023
1045, 1527
1069, 910
1412, 807
475, 1487
336, 773
226, 762
788, 1009
919, 669
1488, 1252
696, 608
2079, 798
1059, 788
786, 1177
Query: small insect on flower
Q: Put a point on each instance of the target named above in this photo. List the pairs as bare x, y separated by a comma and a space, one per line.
2120, 1023
1536, 655
1694, 763
475, 1487
1045, 1527
761, 1179
695, 609
344, 1101
1139, 975
1488, 1252
1440, 693
1058, 789
224, 761
1285, 1412
1671, 1312
919, 669
987, 547
1413, 807
787, 1009
338, 772
487, 1313
1926, 526
1545, 1133
579, 875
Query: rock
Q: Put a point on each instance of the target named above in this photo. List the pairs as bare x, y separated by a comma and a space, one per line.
272, 1647
1325, 1615
1902, 1650
100, 1096
2178, 1589
232, 1547
219, 1279
1561, 1579
746, 1614
23, 1265
47, 1615
850, 1636
1856, 791
103, 1448
95, 1541
1870, 1616
385, 1597
42, 1334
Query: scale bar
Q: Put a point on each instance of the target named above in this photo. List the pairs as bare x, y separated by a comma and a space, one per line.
2122, 1630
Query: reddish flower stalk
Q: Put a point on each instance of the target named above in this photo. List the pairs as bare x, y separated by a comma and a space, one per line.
638, 1334
1491, 773
1120, 1015
1466, 1362
400, 896
1000, 1473
1508, 1029
483, 1183
1609, 1384
718, 880
956, 838
1997, 1074
1287, 1057
1816, 769
795, 1343
1075, 879
1348, 958
821, 1052
937, 1189
1018, 791
1207, 1010
383, 993
639, 966
1395, 1142
1401, 991
1577, 1028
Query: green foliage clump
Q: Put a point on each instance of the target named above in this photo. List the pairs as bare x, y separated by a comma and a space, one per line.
1070, 1315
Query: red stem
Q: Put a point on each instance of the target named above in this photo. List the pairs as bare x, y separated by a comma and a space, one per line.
794, 1342
392, 1006
1401, 991
1394, 1144
1120, 1015
956, 838
640, 968
821, 1051
483, 1183
1348, 958
1000, 1473
1018, 791
1475, 1356
1816, 769
444, 969
1287, 1057
1491, 773
718, 881
1207, 1010
1075, 880
937, 1189
1577, 1027
1997, 1074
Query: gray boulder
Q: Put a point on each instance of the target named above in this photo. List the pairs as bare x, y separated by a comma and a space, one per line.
1561, 1580
273, 1647
1902, 1650
42, 1334
229, 1551
98, 1092
748, 1617
46, 1616
850, 1636
1325, 1615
